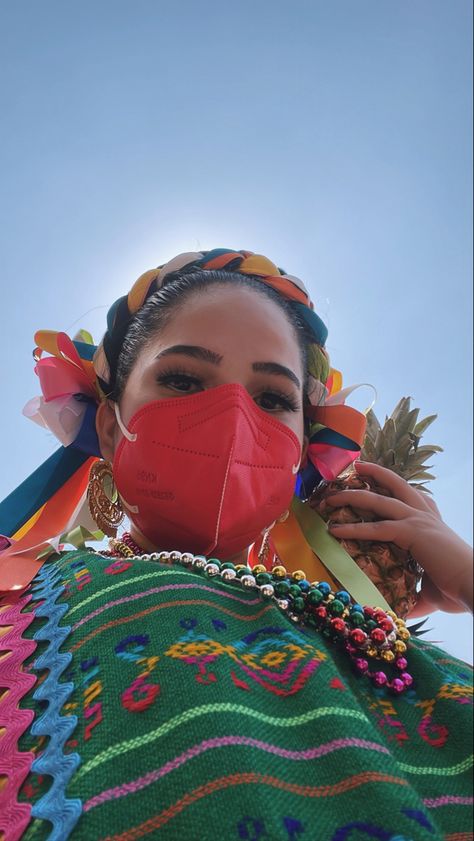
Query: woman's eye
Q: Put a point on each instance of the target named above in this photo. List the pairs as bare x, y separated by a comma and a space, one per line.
272, 402
179, 382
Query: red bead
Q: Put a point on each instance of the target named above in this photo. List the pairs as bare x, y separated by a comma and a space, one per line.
397, 685
321, 612
402, 663
386, 625
358, 636
369, 611
338, 625
377, 635
380, 678
407, 678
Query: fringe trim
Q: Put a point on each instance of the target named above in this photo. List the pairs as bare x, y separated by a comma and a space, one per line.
54, 806
15, 765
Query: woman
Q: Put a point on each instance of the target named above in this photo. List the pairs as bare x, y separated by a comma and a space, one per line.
169, 690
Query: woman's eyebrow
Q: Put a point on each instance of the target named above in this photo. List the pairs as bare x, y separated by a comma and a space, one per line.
195, 351
276, 368
206, 355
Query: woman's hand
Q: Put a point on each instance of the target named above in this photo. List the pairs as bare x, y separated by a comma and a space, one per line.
411, 520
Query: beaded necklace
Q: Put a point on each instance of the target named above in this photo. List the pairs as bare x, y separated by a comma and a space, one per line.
370, 636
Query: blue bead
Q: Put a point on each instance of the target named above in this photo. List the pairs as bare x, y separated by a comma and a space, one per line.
304, 585
343, 596
324, 587
357, 608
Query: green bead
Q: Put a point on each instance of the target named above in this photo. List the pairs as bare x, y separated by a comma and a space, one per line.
215, 561
295, 591
243, 571
227, 565
357, 619
263, 578
315, 597
282, 588
336, 607
298, 605
370, 624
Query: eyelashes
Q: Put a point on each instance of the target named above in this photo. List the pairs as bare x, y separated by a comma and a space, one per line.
178, 378
269, 399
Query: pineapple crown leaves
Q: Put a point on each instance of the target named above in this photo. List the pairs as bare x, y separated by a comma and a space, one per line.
396, 445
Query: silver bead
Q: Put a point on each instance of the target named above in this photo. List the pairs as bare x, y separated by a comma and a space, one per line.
248, 581
282, 604
392, 636
294, 617
175, 556
211, 570
147, 557
228, 574
187, 558
163, 557
267, 590
199, 562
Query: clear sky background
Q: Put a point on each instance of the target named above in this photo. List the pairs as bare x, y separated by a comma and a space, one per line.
334, 136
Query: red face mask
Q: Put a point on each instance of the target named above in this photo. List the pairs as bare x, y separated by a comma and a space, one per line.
205, 473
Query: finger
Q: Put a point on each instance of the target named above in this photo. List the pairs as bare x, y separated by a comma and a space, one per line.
431, 504
384, 506
393, 531
398, 487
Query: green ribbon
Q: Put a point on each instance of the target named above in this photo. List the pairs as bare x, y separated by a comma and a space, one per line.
77, 537
335, 558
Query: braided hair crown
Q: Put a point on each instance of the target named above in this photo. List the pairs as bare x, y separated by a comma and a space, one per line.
289, 287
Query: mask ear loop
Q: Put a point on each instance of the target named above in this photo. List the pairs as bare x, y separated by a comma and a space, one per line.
130, 436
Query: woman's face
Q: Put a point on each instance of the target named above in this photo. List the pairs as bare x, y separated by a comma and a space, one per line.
222, 335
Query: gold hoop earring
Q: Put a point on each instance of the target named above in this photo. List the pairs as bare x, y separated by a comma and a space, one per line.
103, 498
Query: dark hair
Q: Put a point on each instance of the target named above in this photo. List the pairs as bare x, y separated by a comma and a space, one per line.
176, 290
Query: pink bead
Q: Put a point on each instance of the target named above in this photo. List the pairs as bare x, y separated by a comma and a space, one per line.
380, 678
361, 664
397, 685
407, 678
402, 662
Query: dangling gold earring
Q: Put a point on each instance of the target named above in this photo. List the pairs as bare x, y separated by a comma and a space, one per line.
265, 544
103, 498
264, 547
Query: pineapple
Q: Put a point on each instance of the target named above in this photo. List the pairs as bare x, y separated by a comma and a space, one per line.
396, 446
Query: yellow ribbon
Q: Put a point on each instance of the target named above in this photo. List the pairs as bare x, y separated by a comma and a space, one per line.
335, 558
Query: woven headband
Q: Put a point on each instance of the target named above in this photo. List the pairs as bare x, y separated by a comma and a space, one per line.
74, 373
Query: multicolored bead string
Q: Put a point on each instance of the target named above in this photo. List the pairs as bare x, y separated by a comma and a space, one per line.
372, 637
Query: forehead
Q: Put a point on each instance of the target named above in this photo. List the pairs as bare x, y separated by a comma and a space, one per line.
233, 321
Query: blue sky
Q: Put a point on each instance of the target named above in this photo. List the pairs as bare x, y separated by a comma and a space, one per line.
334, 137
